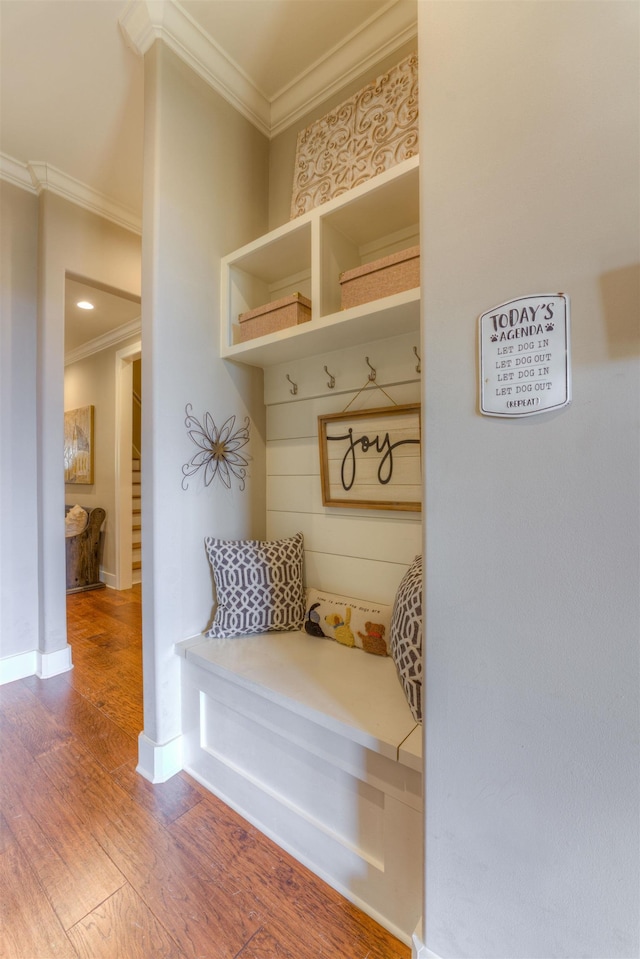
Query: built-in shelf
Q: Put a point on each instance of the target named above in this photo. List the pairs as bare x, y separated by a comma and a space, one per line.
308, 255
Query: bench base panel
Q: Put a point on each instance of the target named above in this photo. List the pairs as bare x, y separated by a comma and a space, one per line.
351, 815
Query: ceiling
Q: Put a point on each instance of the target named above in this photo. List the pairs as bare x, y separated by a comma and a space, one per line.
114, 317
71, 73
72, 86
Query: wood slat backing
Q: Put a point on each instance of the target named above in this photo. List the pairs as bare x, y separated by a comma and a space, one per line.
356, 552
354, 576
393, 359
289, 420
382, 540
295, 457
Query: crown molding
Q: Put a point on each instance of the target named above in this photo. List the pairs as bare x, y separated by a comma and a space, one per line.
145, 21
112, 338
378, 37
13, 171
36, 176
47, 177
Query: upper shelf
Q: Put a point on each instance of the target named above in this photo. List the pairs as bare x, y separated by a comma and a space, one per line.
308, 255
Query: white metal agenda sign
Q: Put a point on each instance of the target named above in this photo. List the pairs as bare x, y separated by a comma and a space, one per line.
525, 365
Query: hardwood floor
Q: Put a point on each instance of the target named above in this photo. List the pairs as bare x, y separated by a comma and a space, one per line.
97, 863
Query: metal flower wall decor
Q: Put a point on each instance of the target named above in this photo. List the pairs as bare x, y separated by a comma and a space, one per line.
217, 449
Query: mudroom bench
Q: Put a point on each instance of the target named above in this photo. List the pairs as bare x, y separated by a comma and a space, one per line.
313, 743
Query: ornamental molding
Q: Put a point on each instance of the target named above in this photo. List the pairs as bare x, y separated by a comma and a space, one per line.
360, 138
99, 343
37, 176
380, 37
13, 171
145, 21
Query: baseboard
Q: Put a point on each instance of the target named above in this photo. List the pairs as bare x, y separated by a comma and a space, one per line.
108, 579
158, 762
17, 667
51, 664
35, 663
419, 950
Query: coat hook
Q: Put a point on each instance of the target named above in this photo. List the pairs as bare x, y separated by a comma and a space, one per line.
372, 374
294, 386
415, 350
332, 379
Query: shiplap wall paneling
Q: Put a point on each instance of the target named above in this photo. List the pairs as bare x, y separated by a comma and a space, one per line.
357, 552
393, 359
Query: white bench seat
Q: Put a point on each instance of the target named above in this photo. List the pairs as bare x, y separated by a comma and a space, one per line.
356, 694
315, 744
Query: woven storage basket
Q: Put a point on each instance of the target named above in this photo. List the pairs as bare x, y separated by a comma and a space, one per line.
289, 311
384, 277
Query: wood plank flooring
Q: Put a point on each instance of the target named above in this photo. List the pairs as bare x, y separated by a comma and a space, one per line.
97, 863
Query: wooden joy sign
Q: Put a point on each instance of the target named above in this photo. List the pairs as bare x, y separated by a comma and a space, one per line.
371, 458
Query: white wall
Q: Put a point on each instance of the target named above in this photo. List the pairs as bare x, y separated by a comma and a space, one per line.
529, 133
18, 452
205, 194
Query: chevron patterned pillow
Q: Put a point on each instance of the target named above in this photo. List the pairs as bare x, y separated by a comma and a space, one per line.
258, 585
406, 636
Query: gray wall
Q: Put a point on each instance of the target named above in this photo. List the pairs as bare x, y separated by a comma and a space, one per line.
530, 185
18, 450
206, 172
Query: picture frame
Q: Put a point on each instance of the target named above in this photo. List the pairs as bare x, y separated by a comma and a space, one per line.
78, 446
371, 459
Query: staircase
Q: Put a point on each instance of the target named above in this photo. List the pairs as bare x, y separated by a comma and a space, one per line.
136, 521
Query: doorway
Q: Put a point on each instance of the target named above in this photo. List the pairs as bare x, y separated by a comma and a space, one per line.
128, 463
102, 344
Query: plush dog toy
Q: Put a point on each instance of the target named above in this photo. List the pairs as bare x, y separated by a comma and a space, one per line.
312, 622
341, 627
373, 639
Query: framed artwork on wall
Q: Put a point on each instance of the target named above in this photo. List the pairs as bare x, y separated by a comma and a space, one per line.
371, 459
78, 446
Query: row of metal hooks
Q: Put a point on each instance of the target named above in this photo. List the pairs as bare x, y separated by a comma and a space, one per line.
331, 382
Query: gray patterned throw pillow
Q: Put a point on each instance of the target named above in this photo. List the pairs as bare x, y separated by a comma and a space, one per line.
258, 585
406, 636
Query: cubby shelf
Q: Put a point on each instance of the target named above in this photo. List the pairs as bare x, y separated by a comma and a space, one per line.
308, 255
